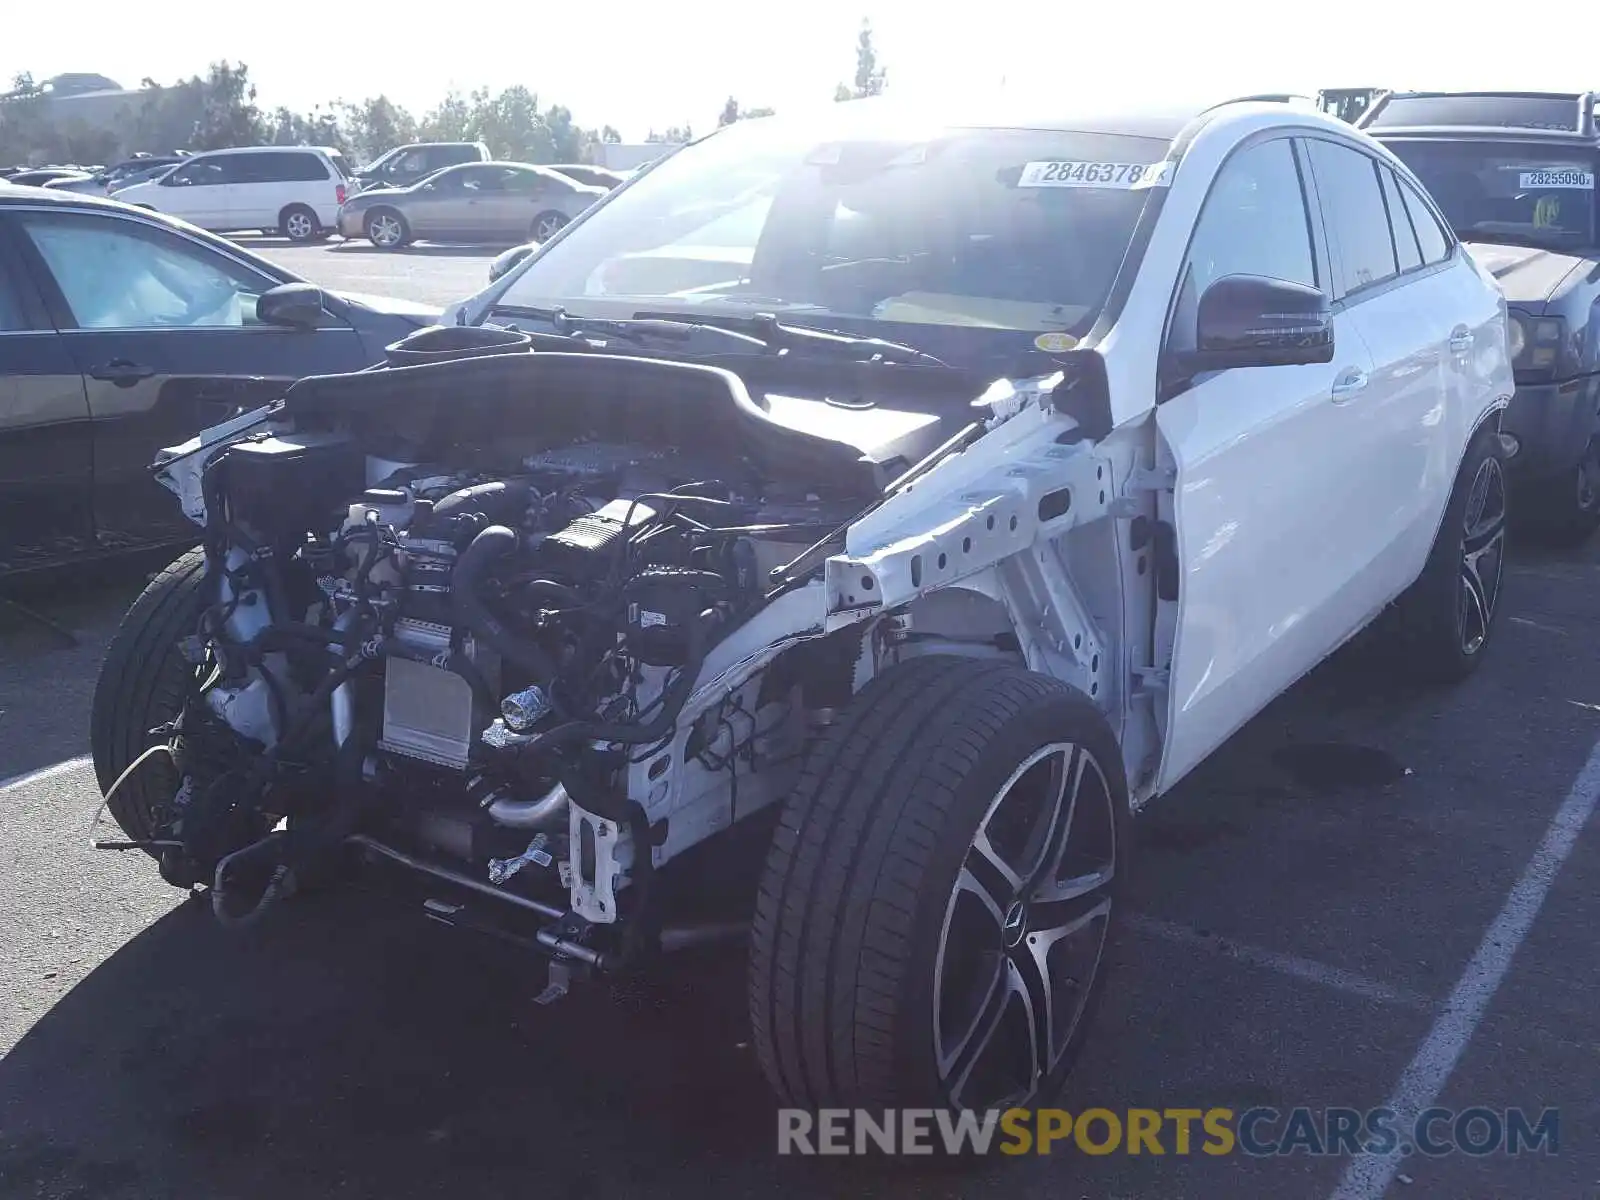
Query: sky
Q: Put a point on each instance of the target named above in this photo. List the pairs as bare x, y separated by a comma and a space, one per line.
638, 64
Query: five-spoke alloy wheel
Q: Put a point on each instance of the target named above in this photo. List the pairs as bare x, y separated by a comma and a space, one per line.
1025, 930
932, 924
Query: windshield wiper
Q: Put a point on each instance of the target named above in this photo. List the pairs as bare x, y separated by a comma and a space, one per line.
761, 333
785, 335
633, 329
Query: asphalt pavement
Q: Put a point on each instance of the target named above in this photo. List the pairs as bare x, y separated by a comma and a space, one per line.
1372, 895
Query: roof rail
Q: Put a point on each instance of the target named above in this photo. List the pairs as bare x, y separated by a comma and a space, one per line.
1264, 98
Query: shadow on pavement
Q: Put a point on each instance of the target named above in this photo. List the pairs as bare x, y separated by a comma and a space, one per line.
342, 1050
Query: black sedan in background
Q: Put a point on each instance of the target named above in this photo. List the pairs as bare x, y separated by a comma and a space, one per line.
123, 331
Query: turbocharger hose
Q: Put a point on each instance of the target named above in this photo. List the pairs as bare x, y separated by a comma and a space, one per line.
472, 568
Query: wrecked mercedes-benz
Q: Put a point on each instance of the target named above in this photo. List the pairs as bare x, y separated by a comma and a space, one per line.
916, 499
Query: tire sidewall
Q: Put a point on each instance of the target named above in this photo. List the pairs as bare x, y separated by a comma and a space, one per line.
405, 230
299, 210
1066, 717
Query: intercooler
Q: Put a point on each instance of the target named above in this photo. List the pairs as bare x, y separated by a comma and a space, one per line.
429, 711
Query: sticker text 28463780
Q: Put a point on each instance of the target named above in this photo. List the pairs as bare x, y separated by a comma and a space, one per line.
1121, 176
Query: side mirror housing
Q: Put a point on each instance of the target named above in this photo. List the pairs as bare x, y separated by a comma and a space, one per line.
1254, 321
292, 305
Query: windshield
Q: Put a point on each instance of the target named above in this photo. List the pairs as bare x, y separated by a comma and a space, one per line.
947, 238
1489, 190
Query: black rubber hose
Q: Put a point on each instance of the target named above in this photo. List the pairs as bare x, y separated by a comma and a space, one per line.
472, 568
499, 501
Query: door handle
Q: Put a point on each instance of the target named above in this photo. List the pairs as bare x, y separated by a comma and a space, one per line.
1349, 384
123, 372
1461, 341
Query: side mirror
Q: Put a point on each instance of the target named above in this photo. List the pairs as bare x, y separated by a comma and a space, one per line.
292, 305
1253, 321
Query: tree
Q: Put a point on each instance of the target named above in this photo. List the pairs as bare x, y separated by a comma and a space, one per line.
751, 114
510, 123
452, 121
869, 75
674, 135
608, 134
730, 112
228, 115
375, 126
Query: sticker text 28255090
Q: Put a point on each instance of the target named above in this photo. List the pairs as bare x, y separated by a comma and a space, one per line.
1121, 176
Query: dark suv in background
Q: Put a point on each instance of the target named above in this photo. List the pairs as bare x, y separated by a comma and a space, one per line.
406, 164
1514, 173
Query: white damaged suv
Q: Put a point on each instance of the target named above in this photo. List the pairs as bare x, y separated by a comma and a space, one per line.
918, 496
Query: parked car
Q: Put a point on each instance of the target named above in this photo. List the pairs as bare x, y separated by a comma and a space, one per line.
405, 165
148, 175
44, 175
479, 202
1514, 172
292, 190
590, 174
144, 330
1026, 461
81, 183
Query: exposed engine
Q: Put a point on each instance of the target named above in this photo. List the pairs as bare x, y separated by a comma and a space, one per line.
472, 663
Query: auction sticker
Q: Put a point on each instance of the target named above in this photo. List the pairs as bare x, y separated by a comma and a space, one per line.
1075, 173
1577, 180
1055, 343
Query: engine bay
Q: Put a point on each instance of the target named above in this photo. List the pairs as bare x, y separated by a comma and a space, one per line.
473, 653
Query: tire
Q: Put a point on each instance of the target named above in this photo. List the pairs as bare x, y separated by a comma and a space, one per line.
1565, 511
386, 229
874, 863
142, 684
1443, 624
299, 224
546, 225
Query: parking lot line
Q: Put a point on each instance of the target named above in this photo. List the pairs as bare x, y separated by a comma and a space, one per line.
60, 768
1286, 964
1369, 1176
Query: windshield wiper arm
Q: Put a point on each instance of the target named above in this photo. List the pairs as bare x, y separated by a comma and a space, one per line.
633, 329
786, 336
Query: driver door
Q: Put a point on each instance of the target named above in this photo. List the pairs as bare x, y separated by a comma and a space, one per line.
1267, 462
162, 328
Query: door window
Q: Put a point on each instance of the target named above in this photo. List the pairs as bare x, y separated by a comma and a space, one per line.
1432, 237
119, 274
1353, 213
482, 179
1254, 222
204, 172
284, 167
1406, 249
13, 316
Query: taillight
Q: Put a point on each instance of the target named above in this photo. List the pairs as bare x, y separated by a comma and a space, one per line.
338, 192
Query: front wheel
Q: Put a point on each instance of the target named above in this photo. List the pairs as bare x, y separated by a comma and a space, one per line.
143, 683
937, 901
547, 224
387, 229
1566, 510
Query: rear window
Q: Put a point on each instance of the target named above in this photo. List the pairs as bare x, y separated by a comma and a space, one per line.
1497, 112
340, 164
279, 167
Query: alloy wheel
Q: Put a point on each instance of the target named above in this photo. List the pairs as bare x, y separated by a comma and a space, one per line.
1482, 554
1025, 930
298, 227
384, 230
547, 227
